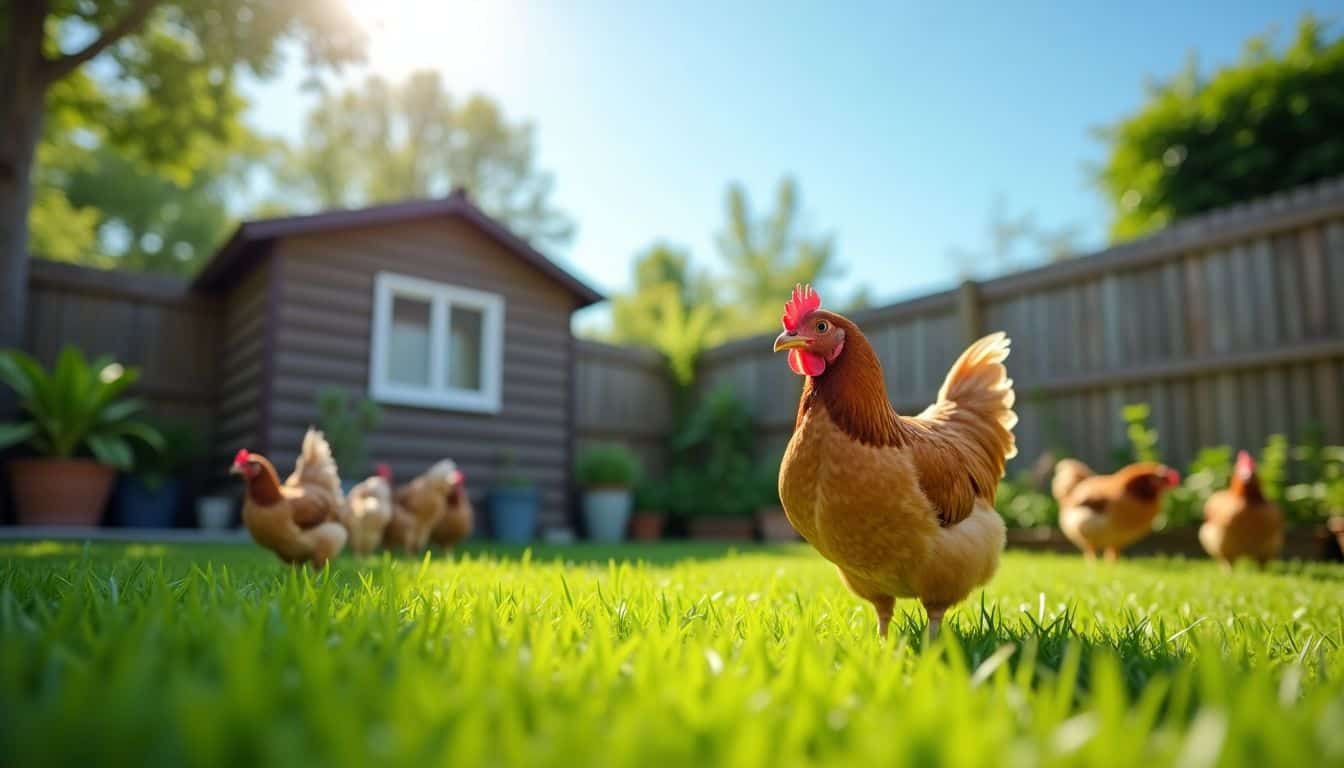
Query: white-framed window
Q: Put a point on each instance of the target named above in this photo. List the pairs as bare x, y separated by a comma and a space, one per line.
435, 345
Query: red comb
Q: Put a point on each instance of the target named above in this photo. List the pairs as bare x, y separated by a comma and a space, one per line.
384, 471
240, 458
1245, 464
804, 300
458, 477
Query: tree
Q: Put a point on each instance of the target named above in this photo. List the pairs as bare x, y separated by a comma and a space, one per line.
767, 257
176, 64
1267, 123
383, 141
670, 308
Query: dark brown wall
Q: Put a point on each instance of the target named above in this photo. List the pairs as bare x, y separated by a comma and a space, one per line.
241, 353
325, 300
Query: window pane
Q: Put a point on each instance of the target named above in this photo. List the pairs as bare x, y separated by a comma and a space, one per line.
408, 347
464, 348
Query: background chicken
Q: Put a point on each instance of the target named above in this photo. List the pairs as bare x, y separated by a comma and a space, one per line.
459, 517
367, 510
298, 520
1109, 512
903, 506
1240, 521
419, 506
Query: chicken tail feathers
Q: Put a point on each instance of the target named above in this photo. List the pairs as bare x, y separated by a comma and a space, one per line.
978, 386
315, 466
1068, 474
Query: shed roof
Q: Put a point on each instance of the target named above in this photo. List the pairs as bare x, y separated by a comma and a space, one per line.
252, 238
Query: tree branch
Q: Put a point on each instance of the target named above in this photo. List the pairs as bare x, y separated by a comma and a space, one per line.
60, 67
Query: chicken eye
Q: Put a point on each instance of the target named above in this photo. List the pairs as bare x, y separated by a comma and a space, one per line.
823, 326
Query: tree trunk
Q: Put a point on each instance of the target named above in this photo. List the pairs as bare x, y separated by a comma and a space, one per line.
23, 86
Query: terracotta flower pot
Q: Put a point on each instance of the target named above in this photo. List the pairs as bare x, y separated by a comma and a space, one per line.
647, 526
723, 528
60, 491
774, 525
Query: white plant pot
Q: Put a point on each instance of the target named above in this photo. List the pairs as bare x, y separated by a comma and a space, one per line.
214, 513
606, 511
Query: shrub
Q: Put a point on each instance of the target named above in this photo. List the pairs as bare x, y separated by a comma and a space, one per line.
156, 466
607, 465
345, 425
1022, 506
713, 471
76, 410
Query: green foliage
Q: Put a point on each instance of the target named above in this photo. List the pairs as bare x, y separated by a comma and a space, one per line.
670, 309
1023, 506
767, 256
511, 474
1142, 435
652, 495
134, 150
156, 465
766, 480
76, 409
713, 471
1266, 123
607, 465
1209, 473
652, 656
385, 141
346, 423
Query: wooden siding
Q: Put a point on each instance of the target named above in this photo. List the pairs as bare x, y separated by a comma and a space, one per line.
242, 368
322, 335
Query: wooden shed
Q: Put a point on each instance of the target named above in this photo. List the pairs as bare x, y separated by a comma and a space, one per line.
457, 327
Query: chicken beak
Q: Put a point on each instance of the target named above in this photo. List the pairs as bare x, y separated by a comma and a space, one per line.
235, 469
789, 340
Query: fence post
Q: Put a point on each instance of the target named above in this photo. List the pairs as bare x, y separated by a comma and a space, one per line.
968, 311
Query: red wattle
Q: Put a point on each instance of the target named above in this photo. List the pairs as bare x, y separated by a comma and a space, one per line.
806, 363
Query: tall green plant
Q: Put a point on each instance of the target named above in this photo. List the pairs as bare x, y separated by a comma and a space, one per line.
712, 458
345, 424
75, 410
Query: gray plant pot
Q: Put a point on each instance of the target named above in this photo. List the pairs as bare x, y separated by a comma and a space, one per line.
606, 513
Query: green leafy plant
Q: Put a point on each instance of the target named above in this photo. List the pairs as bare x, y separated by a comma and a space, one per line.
712, 458
76, 410
1142, 435
652, 495
607, 465
511, 474
156, 466
1022, 506
766, 484
346, 423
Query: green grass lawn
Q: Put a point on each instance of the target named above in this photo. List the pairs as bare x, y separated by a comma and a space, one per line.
668, 655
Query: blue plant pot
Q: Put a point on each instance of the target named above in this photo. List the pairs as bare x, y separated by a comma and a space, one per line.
513, 514
140, 506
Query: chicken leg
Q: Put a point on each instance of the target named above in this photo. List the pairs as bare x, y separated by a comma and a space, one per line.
935, 619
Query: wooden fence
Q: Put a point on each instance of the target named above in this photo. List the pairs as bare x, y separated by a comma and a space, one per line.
146, 321
1230, 325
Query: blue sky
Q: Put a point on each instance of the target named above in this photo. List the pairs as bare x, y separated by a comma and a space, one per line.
902, 122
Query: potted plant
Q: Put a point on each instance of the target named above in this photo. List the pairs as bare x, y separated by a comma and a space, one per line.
513, 503
713, 479
149, 496
650, 514
345, 424
771, 521
81, 430
606, 472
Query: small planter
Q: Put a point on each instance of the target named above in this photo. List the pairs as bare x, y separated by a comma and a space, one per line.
723, 528
647, 526
60, 491
774, 525
214, 513
513, 514
606, 511
141, 506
